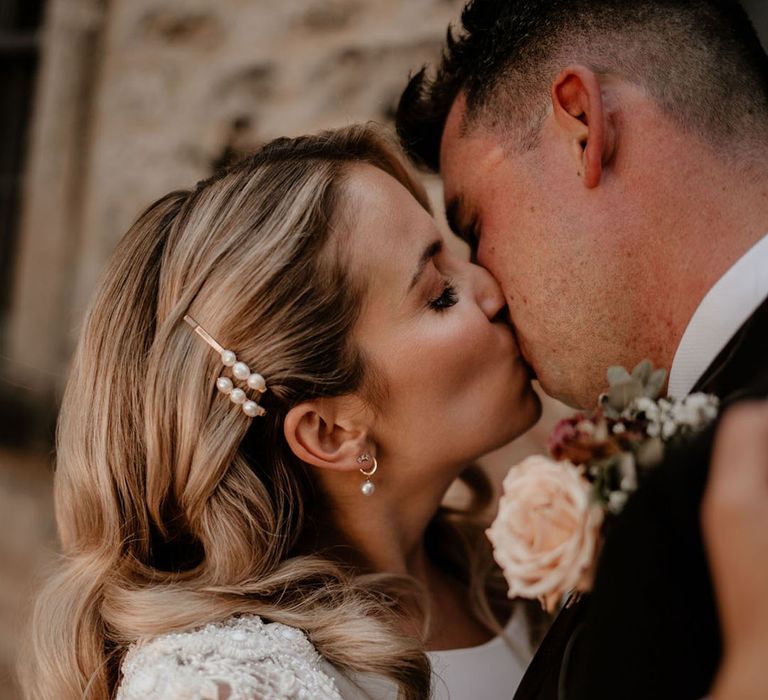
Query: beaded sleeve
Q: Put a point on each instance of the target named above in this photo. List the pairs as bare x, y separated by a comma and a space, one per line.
242, 658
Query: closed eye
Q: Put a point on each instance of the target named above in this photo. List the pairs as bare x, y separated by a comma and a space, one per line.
448, 297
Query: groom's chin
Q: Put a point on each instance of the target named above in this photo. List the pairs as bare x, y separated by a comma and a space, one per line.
564, 397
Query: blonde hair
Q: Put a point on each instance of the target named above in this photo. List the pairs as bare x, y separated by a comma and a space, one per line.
174, 509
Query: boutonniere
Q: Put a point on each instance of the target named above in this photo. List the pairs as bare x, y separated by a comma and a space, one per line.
554, 510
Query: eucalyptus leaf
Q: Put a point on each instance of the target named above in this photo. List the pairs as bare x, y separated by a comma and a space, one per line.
642, 371
621, 395
655, 382
618, 375
608, 410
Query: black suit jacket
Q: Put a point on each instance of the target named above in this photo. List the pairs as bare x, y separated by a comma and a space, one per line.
649, 629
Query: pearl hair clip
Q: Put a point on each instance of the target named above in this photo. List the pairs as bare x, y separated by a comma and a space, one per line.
239, 369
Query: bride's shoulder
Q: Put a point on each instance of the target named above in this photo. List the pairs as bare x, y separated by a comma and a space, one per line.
240, 658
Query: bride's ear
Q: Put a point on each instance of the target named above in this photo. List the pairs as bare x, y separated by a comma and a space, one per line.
580, 112
319, 432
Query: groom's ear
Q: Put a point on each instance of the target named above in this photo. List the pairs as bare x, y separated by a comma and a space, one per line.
577, 103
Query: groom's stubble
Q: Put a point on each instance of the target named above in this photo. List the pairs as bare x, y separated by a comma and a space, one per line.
603, 272
605, 201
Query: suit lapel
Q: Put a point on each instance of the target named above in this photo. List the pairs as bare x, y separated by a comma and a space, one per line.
741, 358
541, 676
731, 373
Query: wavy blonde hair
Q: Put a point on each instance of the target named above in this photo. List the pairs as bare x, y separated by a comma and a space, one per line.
174, 508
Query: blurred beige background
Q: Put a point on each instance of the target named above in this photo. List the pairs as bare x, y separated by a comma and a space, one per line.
108, 105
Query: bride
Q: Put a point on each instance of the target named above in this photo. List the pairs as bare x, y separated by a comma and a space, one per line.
282, 373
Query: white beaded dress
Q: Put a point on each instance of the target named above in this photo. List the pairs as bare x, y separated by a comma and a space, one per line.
245, 658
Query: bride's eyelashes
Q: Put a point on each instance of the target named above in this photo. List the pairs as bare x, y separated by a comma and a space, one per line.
448, 297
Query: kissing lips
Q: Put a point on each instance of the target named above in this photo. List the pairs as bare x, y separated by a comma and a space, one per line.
503, 317
523, 354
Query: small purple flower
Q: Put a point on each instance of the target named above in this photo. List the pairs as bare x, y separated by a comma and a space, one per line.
565, 431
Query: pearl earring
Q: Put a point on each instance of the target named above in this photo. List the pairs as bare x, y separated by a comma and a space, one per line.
240, 370
368, 486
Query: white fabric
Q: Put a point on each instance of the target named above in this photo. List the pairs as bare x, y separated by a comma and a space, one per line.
491, 671
730, 302
244, 658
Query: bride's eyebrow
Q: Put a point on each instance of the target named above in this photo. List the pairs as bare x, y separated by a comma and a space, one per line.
429, 252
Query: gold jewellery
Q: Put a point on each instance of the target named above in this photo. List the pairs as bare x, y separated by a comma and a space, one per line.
240, 370
368, 486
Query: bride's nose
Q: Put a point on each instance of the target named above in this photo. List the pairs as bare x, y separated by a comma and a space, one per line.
488, 293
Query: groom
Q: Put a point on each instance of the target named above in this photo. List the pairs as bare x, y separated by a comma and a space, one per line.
607, 161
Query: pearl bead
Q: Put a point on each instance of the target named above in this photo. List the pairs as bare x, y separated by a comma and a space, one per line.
256, 381
224, 385
237, 396
240, 370
228, 358
252, 409
368, 488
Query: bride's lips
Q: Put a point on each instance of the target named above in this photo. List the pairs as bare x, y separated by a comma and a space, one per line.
503, 319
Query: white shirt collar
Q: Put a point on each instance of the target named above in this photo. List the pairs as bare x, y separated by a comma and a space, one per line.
733, 299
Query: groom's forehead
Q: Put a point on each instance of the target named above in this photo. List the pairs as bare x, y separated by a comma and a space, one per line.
453, 139
467, 154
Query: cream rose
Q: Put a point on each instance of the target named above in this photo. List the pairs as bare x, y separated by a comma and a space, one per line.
545, 534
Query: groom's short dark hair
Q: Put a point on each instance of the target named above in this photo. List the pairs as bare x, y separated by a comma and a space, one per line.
700, 60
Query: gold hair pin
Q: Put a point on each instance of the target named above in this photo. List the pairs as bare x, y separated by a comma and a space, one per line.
240, 370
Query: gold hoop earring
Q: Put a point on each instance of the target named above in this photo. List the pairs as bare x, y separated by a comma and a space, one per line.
368, 487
